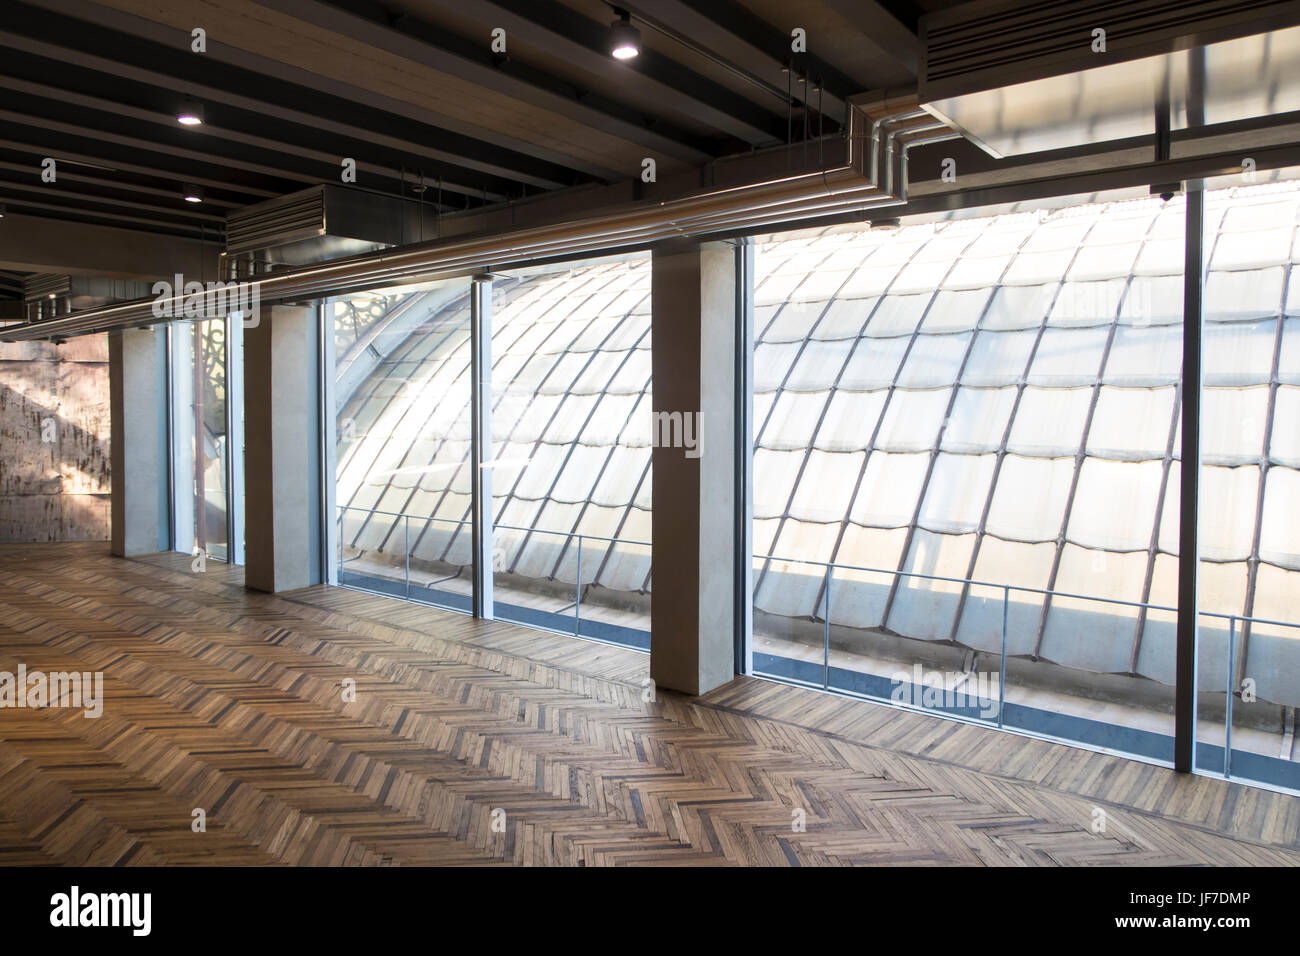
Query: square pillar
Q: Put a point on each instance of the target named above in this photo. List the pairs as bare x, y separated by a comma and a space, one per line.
695, 310
137, 375
282, 508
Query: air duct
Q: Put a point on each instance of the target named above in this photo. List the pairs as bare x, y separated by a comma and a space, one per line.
872, 173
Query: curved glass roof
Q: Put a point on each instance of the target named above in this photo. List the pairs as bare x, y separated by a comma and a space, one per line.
989, 398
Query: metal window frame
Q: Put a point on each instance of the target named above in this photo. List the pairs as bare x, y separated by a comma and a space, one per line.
483, 565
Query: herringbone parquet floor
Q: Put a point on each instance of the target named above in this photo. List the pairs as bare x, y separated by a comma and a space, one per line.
483, 743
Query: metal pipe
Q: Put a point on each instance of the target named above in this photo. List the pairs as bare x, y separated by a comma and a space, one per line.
873, 126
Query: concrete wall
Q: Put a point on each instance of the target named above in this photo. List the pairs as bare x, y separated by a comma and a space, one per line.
54, 441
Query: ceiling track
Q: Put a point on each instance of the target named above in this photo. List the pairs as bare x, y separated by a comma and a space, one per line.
872, 173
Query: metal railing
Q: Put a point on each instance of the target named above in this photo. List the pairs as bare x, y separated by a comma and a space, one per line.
566, 621
825, 609
535, 614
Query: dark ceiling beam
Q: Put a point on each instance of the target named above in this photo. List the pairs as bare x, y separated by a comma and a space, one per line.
99, 161
585, 43
145, 146
273, 89
80, 213
889, 26
737, 36
421, 43
328, 161
41, 244
86, 199
117, 185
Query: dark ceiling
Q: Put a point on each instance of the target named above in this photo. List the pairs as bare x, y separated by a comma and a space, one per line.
411, 90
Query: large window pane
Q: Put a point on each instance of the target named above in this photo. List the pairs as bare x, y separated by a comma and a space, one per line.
571, 441
968, 421
1249, 645
401, 395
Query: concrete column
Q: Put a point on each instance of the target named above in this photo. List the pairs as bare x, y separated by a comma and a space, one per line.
137, 376
282, 449
694, 315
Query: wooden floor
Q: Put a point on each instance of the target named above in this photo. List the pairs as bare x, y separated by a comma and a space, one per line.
233, 702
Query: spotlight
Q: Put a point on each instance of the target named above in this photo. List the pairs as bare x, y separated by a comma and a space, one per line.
624, 39
2, 210
193, 193
190, 113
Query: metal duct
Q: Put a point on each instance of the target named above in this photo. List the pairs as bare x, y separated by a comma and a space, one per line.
873, 173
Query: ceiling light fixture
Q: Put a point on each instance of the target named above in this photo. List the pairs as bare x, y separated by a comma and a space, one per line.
2, 210
193, 193
624, 39
190, 113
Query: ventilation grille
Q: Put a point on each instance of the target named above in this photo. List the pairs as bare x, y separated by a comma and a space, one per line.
277, 222
38, 288
995, 43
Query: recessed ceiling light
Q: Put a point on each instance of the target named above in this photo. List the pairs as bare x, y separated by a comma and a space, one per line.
190, 113
624, 39
193, 193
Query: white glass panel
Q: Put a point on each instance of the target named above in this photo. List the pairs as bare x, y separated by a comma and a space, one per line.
618, 483
912, 419
1131, 423
1252, 250
771, 363
977, 272
1252, 294
1145, 357
926, 608
1115, 504
1232, 424
999, 358
920, 276
890, 487
934, 361
1029, 498
1006, 562
1285, 445
844, 319
898, 315
1094, 635
874, 363
1289, 360
1280, 540
774, 474
1104, 261
956, 311
1033, 267
1049, 422
957, 493
858, 597
978, 419
1239, 353
1087, 303
850, 420
1152, 300
819, 365
793, 322
1068, 357
1227, 523
826, 485
1019, 307
793, 419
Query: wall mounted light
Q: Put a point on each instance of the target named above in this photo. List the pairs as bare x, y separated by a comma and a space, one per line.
624, 39
193, 193
190, 113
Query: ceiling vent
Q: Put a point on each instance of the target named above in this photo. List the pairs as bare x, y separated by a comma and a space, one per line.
321, 223
46, 295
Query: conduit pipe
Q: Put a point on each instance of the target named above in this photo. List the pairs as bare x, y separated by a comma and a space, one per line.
873, 173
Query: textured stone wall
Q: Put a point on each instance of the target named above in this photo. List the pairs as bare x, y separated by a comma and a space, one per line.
54, 440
